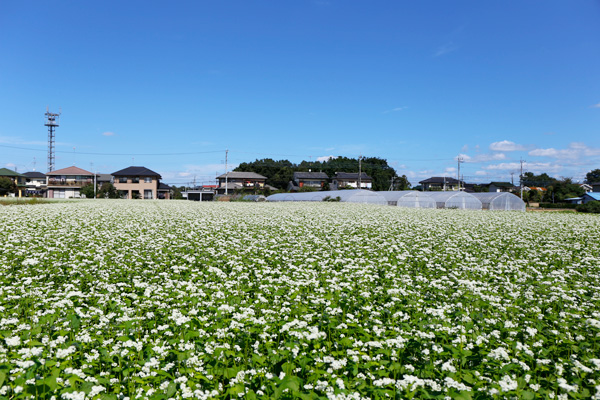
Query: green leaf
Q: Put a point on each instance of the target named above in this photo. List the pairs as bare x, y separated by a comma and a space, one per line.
527, 395
2, 378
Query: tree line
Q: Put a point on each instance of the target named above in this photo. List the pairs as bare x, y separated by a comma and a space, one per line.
280, 172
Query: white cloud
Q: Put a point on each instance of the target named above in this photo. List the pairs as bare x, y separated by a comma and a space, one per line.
481, 173
465, 148
529, 167
108, 133
506, 145
575, 151
595, 106
10, 165
325, 158
482, 157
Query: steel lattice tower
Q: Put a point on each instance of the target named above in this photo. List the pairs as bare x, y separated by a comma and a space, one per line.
52, 124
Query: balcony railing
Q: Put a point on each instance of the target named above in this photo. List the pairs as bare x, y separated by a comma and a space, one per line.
69, 182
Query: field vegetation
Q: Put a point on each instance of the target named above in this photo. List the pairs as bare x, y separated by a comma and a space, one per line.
167, 300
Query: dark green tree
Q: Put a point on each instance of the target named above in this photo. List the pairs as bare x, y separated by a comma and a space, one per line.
87, 190
108, 191
592, 176
6, 186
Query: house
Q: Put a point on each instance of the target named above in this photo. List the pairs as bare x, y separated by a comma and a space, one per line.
592, 196
595, 186
308, 180
18, 179
35, 183
202, 193
164, 191
343, 180
586, 187
66, 183
238, 180
500, 187
137, 183
442, 183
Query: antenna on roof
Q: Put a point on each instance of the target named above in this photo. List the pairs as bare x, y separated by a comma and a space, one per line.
52, 124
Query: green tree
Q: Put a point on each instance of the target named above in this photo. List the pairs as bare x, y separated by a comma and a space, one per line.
87, 190
592, 176
6, 186
108, 191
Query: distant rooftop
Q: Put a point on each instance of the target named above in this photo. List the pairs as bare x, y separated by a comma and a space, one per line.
70, 171
136, 171
34, 174
242, 175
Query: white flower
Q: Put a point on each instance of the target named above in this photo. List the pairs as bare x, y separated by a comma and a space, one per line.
13, 341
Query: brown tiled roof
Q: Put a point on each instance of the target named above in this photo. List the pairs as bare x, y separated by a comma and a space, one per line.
70, 171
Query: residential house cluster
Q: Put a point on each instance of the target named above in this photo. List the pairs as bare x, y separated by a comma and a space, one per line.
131, 183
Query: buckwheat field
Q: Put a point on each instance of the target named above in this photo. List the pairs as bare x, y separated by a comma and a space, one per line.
168, 300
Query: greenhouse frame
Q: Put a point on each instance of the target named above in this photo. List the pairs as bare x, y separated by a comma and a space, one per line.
346, 196
456, 199
409, 199
504, 201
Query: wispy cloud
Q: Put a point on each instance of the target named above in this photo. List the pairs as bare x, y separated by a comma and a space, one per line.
395, 110
595, 106
108, 133
506, 145
445, 49
482, 157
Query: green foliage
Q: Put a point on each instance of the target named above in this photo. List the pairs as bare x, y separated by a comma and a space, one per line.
87, 190
280, 173
591, 207
592, 176
6, 185
108, 191
558, 205
177, 192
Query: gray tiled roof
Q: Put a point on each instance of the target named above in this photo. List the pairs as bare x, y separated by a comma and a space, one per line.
352, 175
310, 175
242, 175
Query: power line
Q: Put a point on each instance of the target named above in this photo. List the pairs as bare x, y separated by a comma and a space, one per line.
117, 154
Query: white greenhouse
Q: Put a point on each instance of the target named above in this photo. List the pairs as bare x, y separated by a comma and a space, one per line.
460, 200
346, 196
409, 199
500, 201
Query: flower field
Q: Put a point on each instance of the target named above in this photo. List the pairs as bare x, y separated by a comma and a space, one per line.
148, 299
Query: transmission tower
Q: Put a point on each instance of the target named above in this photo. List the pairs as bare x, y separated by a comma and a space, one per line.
52, 124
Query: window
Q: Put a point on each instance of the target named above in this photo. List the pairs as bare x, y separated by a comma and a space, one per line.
123, 179
147, 194
135, 179
147, 179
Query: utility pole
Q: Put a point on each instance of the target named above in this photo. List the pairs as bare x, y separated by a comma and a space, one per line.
226, 173
521, 180
391, 185
512, 178
459, 160
359, 170
95, 184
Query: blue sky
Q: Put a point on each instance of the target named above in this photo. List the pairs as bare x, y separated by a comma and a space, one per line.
171, 85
